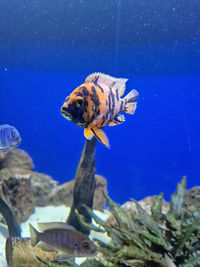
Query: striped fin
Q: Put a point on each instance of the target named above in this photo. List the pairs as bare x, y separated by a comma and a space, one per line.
54, 225
131, 102
104, 79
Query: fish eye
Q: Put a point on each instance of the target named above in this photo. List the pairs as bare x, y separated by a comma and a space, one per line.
86, 245
13, 134
79, 103
75, 245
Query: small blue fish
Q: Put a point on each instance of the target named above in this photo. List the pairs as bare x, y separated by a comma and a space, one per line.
9, 137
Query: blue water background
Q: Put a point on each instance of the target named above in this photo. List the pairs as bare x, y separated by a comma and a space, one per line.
150, 152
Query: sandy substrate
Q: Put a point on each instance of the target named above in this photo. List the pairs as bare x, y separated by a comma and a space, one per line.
46, 214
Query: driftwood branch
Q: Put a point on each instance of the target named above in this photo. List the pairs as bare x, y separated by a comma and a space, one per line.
84, 186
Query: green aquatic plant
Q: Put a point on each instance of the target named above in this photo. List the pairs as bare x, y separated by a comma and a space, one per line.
141, 239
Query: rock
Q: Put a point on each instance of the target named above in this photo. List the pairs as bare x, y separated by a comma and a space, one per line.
42, 186
192, 198
16, 158
18, 194
146, 204
63, 194
6, 173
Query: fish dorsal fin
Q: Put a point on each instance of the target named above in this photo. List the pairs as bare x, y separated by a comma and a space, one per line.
54, 225
104, 79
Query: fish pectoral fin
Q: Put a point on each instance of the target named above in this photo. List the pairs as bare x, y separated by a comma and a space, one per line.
98, 119
88, 133
45, 247
117, 120
101, 136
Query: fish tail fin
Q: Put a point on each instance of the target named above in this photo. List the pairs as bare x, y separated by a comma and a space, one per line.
101, 136
130, 102
34, 235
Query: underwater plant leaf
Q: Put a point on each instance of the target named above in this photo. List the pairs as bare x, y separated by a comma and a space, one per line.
177, 198
140, 239
120, 215
131, 238
186, 235
172, 223
148, 222
156, 208
53, 264
116, 236
94, 216
87, 226
194, 261
134, 252
133, 263
152, 238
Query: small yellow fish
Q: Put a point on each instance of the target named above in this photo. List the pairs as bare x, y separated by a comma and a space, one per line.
62, 238
97, 103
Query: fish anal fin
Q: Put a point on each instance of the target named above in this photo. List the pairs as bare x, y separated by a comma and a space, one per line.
117, 120
101, 136
88, 133
63, 256
131, 102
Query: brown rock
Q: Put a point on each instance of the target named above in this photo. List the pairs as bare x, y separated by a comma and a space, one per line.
146, 204
63, 194
6, 173
192, 198
42, 186
16, 158
20, 253
18, 194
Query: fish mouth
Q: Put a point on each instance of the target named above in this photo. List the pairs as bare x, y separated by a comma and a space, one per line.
18, 142
66, 115
95, 253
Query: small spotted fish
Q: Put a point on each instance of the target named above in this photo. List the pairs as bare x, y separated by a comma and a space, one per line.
9, 137
97, 103
62, 238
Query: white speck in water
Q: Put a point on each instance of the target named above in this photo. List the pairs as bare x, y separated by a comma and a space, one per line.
5, 69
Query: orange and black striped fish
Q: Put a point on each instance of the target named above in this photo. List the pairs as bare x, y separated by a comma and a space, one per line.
97, 103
